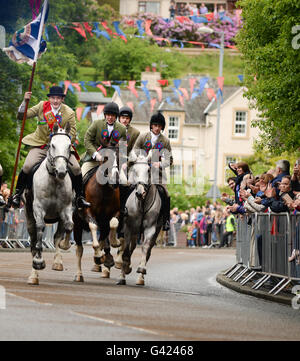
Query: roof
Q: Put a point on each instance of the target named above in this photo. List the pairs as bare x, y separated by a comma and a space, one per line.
92, 97
193, 108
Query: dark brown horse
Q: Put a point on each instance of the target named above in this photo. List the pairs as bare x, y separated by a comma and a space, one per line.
102, 191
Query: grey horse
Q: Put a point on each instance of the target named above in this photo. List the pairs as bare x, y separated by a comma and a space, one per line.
143, 218
50, 201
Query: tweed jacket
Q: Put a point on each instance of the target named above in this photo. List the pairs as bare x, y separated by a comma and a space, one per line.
165, 151
41, 135
97, 135
131, 136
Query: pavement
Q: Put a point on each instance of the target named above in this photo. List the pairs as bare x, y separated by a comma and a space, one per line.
284, 297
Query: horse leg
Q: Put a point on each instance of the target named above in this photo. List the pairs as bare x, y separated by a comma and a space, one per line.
68, 227
150, 235
119, 259
33, 279
57, 263
126, 253
38, 262
96, 246
108, 258
105, 272
113, 241
79, 248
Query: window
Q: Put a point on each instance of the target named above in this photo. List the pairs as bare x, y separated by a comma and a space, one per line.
173, 128
176, 173
149, 7
228, 171
240, 124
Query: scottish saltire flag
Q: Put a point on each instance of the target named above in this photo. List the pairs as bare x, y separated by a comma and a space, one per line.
25, 47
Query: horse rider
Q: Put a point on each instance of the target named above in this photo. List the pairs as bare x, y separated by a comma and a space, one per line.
48, 113
2, 201
102, 133
155, 140
132, 134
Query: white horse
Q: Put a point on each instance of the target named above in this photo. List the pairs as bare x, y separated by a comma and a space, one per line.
50, 201
143, 219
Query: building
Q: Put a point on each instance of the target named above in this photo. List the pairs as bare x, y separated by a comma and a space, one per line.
191, 126
161, 7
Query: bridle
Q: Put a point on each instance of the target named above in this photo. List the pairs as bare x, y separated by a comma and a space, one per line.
52, 159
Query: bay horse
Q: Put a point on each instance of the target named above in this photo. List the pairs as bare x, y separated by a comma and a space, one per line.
143, 217
50, 201
102, 191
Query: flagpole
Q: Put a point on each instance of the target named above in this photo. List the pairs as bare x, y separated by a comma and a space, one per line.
45, 5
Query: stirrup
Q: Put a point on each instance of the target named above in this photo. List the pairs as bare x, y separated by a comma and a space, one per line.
82, 203
15, 201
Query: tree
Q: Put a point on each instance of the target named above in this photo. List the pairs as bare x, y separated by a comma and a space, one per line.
272, 69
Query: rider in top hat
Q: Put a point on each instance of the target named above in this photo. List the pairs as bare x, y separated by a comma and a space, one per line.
48, 113
102, 133
155, 140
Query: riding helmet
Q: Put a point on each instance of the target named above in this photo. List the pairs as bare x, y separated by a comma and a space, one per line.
158, 118
126, 111
111, 108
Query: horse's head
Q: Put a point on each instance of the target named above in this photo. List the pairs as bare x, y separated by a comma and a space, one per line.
108, 171
139, 174
59, 150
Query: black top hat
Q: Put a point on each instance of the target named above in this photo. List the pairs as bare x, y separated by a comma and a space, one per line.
56, 91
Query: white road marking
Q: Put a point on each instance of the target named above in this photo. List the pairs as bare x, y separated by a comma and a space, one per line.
117, 323
29, 299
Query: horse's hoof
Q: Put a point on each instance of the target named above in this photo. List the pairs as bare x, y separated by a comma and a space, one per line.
105, 274
64, 246
109, 261
39, 265
78, 278
96, 268
141, 270
127, 269
121, 282
57, 267
33, 281
118, 265
115, 244
140, 282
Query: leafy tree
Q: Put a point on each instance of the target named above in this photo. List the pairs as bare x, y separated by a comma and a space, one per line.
126, 61
272, 69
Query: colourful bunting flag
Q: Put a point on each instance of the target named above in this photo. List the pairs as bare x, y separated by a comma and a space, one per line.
100, 109
220, 80
79, 28
147, 27
101, 87
131, 87
152, 103
78, 113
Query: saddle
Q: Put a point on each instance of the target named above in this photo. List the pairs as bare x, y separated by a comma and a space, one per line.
31, 174
89, 175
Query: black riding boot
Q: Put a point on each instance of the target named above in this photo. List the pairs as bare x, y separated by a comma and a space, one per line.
77, 185
166, 213
124, 194
15, 200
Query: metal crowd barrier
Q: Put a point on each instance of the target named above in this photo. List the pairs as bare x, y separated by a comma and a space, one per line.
267, 244
13, 231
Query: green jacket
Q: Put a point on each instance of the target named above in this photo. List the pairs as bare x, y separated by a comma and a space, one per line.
165, 150
97, 135
131, 136
42, 132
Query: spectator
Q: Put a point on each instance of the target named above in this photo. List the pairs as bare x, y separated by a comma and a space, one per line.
243, 174
221, 11
229, 229
191, 236
203, 9
193, 10
181, 10
225, 197
295, 180
282, 169
172, 10
282, 202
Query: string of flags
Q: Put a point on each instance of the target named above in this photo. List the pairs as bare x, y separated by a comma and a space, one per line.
102, 29
182, 94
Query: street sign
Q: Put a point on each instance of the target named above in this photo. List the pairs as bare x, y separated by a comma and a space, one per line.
210, 193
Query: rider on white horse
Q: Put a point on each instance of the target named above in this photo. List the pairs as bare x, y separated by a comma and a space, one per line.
48, 113
156, 141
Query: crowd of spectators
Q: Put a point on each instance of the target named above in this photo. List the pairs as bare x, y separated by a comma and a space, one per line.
192, 9
208, 226
276, 190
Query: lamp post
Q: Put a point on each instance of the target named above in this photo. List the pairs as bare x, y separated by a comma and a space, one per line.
218, 118
205, 29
